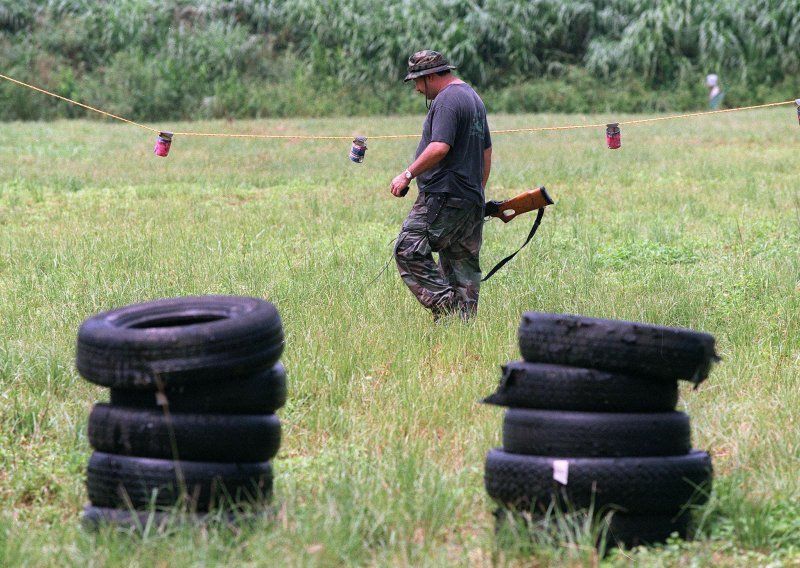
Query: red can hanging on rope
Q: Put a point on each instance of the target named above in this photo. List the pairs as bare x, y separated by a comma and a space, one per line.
613, 137
797, 102
358, 149
162, 144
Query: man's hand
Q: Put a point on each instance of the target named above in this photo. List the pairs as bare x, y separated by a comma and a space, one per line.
399, 185
431, 155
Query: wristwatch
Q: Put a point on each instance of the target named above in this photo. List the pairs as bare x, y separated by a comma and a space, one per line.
408, 174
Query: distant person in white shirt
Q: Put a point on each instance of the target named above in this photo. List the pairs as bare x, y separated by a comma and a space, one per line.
715, 93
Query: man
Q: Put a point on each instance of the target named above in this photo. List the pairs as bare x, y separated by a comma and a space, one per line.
452, 164
715, 94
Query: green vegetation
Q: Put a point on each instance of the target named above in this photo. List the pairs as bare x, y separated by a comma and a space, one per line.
693, 223
155, 60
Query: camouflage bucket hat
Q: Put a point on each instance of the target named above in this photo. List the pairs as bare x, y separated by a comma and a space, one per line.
426, 62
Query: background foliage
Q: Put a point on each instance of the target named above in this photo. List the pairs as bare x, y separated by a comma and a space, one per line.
151, 59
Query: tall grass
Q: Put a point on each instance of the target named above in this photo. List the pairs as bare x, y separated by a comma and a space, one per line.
254, 58
692, 223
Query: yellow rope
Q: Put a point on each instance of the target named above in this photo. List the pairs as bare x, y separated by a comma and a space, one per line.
640, 121
390, 136
289, 136
77, 103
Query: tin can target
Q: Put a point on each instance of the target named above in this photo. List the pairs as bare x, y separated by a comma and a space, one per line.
163, 142
358, 149
613, 136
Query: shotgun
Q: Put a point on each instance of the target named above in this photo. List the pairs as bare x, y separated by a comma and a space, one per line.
510, 208
522, 203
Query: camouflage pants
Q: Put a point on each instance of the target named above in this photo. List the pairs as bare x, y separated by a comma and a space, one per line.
453, 228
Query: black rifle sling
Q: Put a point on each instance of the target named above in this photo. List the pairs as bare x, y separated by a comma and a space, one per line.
502, 263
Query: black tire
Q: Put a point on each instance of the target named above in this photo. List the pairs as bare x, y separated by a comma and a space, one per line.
179, 341
634, 485
123, 482
261, 393
634, 530
595, 434
556, 387
193, 437
95, 517
632, 348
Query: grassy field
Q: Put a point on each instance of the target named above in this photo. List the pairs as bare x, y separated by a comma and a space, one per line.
693, 223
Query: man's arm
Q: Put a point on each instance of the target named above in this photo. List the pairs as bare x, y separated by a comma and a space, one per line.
487, 165
431, 155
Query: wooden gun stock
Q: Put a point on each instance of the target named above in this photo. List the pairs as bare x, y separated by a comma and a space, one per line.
522, 203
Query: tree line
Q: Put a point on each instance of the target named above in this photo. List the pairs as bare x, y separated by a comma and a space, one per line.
157, 59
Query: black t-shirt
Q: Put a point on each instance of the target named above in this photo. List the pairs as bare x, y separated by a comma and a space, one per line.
457, 117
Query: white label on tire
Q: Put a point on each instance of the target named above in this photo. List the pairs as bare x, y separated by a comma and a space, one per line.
561, 471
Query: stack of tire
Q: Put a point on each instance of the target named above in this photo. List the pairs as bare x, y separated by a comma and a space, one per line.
191, 426
591, 424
